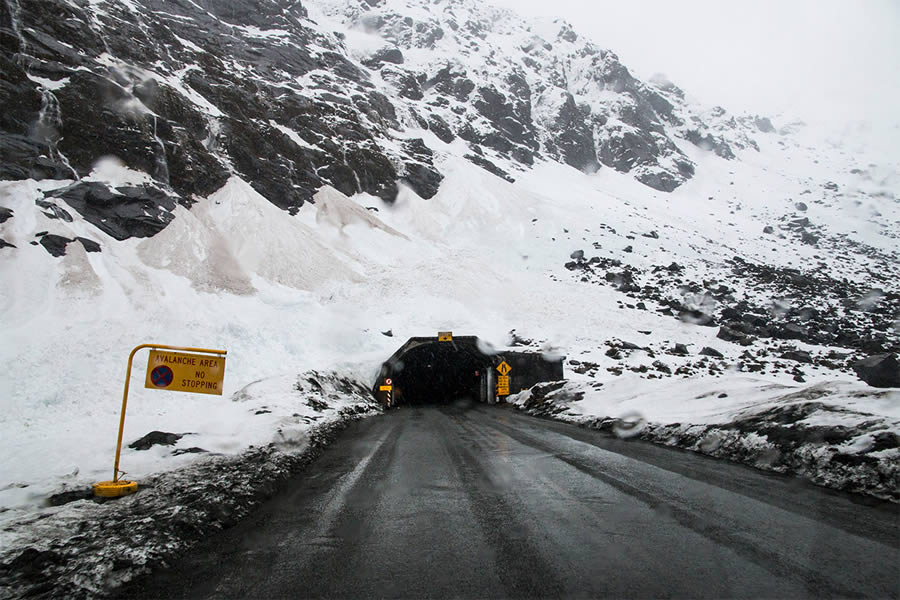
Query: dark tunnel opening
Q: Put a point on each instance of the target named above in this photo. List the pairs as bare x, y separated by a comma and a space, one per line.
439, 373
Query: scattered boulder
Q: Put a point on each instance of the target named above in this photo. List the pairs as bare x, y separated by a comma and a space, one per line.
707, 351
881, 370
5, 213
155, 438
680, 349
191, 450
732, 335
388, 333
768, 229
797, 355
808, 238
577, 255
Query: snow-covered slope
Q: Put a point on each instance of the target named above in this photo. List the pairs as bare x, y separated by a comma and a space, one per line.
287, 189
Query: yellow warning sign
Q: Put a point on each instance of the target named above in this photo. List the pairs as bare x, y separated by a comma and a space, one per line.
183, 372
503, 381
504, 368
445, 336
385, 388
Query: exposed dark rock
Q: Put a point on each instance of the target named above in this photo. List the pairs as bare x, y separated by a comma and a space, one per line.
54, 211
5, 214
710, 142
5, 244
881, 370
790, 331
809, 238
680, 349
577, 255
139, 211
707, 351
68, 496
510, 116
407, 84
388, 333
55, 244
768, 229
731, 335
801, 206
424, 180
573, 137
89, 245
662, 367
489, 167
156, 438
385, 55
797, 355
439, 127
191, 450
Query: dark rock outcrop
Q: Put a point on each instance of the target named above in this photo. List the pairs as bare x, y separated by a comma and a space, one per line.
881, 370
129, 211
55, 244
155, 438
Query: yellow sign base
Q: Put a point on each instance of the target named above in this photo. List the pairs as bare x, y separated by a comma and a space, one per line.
114, 489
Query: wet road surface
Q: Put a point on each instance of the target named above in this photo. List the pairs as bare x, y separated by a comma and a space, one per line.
489, 503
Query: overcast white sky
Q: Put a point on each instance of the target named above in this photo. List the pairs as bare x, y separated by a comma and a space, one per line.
813, 59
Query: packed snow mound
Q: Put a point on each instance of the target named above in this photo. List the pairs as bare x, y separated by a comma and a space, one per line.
838, 434
338, 210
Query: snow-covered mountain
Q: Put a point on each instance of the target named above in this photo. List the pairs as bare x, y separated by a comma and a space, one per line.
288, 180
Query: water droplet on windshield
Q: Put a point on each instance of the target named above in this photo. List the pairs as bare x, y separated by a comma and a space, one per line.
629, 424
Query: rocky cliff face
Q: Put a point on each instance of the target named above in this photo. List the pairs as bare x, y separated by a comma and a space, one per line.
191, 92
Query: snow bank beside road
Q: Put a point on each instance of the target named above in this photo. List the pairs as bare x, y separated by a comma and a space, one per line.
86, 548
841, 435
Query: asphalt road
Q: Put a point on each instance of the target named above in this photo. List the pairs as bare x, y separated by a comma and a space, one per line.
490, 503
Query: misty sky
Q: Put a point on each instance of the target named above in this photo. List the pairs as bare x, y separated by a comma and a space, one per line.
812, 59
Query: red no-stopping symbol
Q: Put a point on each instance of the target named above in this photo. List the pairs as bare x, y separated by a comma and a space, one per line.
161, 376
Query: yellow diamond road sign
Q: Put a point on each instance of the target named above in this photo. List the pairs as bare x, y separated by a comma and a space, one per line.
504, 368
445, 336
184, 372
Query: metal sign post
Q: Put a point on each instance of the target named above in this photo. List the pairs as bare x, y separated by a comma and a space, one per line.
176, 371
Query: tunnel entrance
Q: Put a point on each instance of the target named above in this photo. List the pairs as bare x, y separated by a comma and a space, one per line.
439, 373
449, 369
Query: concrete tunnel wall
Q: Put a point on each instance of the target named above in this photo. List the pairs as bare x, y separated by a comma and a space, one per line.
425, 370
